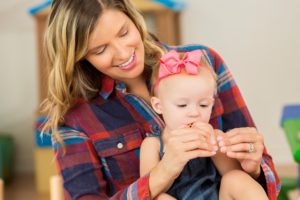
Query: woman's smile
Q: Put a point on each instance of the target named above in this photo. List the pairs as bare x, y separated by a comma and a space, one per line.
130, 63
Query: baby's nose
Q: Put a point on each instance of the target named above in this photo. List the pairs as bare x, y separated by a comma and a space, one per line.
194, 112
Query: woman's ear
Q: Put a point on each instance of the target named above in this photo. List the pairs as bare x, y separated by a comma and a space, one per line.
155, 102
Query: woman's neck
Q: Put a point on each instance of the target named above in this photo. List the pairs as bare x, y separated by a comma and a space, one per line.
139, 88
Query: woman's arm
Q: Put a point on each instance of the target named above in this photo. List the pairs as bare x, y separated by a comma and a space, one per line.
232, 113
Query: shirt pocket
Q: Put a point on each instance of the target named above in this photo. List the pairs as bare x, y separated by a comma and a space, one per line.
119, 155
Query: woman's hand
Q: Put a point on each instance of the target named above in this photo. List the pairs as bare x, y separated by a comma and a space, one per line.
180, 146
246, 145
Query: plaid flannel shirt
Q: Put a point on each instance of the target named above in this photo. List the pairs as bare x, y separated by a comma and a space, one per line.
102, 138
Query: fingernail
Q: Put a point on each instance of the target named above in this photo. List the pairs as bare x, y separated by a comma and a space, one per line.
221, 143
223, 149
212, 141
215, 148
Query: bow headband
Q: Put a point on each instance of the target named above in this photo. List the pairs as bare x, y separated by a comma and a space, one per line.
171, 64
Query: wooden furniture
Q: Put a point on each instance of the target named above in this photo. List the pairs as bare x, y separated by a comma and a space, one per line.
41, 21
166, 22
161, 21
44, 168
1, 189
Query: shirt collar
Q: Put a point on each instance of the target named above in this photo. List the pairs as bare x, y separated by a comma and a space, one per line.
108, 85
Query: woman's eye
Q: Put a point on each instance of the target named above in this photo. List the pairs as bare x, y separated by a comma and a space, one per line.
100, 51
124, 33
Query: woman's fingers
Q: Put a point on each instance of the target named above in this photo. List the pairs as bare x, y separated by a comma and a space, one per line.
246, 145
243, 156
241, 135
242, 147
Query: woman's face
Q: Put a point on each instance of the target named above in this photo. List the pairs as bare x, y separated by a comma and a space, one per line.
115, 47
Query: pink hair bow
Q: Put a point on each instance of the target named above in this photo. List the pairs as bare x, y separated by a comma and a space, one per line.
170, 64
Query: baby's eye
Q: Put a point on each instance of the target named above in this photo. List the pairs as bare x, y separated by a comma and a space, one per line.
181, 105
204, 105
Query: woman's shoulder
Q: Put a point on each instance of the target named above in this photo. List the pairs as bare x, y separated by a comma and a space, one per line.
68, 136
81, 112
82, 107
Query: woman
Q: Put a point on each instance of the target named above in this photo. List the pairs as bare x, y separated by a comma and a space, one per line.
100, 55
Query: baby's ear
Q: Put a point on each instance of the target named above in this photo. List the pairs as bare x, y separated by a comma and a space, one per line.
155, 102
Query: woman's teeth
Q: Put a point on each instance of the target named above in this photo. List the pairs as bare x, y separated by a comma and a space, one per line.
128, 62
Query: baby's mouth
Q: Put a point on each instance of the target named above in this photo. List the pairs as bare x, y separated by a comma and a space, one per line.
189, 125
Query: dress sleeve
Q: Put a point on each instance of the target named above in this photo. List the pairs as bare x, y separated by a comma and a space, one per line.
82, 172
236, 114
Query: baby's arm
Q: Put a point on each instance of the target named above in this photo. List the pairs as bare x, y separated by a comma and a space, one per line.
223, 163
164, 196
149, 154
149, 158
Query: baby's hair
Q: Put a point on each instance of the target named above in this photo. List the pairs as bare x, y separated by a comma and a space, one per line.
204, 63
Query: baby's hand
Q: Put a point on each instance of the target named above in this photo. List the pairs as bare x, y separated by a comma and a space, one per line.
208, 129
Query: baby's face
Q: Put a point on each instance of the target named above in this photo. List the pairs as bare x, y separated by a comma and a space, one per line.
185, 99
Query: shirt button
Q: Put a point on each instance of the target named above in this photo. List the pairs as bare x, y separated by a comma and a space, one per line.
120, 145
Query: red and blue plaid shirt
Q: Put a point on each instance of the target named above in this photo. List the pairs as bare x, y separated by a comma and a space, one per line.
102, 138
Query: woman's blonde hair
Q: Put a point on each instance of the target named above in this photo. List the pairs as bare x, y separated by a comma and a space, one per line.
66, 39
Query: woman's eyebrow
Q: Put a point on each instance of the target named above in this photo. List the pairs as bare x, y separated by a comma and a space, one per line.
119, 32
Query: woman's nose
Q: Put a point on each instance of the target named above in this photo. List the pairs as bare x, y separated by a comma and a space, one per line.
121, 52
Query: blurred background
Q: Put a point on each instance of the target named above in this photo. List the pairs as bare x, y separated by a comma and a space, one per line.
259, 41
